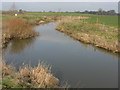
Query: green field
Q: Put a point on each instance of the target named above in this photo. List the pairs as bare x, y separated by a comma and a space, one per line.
101, 19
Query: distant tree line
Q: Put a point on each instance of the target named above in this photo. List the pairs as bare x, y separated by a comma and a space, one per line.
99, 12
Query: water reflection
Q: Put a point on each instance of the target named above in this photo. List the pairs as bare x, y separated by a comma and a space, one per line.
87, 46
17, 46
106, 51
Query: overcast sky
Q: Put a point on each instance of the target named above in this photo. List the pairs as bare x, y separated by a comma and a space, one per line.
61, 6
60, 0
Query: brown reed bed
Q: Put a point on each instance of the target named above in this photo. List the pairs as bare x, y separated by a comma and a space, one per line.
17, 28
28, 77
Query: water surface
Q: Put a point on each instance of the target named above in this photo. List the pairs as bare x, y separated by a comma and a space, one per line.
80, 65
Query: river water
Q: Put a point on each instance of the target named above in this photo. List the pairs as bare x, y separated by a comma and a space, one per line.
80, 65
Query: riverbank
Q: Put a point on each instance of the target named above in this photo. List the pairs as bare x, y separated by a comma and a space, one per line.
16, 28
99, 35
22, 28
28, 77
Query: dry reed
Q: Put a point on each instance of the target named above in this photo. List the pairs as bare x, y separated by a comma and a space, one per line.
17, 28
30, 77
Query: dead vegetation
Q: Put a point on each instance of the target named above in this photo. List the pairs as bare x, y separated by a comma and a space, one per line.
28, 77
99, 35
16, 28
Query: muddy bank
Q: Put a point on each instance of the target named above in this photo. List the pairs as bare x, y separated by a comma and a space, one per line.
97, 35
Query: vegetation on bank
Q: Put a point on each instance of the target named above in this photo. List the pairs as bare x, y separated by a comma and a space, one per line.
16, 28
28, 77
20, 27
97, 34
104, 26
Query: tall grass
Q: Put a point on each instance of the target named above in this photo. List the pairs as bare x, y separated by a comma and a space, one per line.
18, 28
28, 77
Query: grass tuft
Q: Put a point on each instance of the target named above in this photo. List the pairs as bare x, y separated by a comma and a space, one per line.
28, 77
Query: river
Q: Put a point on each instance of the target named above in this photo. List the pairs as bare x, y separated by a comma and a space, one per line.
80, 65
